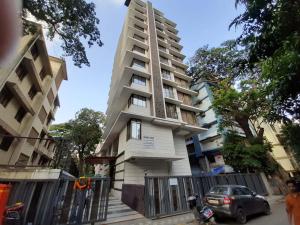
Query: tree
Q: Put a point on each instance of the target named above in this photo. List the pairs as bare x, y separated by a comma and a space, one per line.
85, 132
238, 96
244, 157
71, 20
80, 135
242, 104
216, 64
291, 137
271, 32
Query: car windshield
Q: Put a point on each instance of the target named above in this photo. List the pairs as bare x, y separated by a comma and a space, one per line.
219, 190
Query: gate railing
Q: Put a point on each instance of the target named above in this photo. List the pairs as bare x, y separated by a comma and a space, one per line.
53, 202
168, 195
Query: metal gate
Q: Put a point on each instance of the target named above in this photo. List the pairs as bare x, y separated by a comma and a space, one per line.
168, 195
53, 202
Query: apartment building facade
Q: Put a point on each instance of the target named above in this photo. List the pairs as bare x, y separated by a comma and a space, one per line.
272, 133
205, 148
150, 110
28, 101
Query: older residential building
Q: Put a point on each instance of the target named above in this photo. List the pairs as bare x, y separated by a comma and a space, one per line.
28, 102
279, 152
150, 111
205, 148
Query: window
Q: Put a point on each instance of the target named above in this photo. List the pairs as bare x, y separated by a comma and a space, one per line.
34, 51
137, 101
138, 80
33, 136
219, 190
23, 160
138, 49
171, 31
162, 48
181, 82
186, 99
161, 38
43, 73
166, 74
134, 129
168, 91
164, 60
138, 18
32, 92
34, 156
138, 63
188, 117
138, 37
49, 119
6, 141
179, 69
175, 48
177, 58
139, 28
42, 114
20, 114
173, 39
171, 111
245, 191
160, 29
5, 96
139, 11
156, 20
21, 71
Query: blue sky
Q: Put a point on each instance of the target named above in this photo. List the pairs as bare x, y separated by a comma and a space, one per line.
199, 22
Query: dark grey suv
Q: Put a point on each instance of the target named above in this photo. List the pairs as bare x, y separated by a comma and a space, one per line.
236, 201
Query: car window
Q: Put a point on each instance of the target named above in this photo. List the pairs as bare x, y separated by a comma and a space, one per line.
236, 191
219, 190
245, 191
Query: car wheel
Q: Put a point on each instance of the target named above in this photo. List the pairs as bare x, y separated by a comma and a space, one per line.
267, 210
241, 216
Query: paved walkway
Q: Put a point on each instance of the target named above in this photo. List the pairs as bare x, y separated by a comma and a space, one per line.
121, 214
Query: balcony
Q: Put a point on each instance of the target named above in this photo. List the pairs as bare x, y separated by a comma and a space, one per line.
187, 91
130, 55
189, 107
167, 79
133, 13
132, 42
179, 64
172, 35
176, 53
20, 97
171, 28
161, 33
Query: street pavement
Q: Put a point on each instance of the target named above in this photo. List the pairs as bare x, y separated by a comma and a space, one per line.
278, 217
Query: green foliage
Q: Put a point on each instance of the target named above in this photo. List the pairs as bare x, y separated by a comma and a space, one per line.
72, 20
81, 135
215, 64
247, 157
239, 104
291, 136
238, 96
271, 32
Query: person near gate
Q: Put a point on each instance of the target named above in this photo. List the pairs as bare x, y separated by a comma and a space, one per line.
292, 202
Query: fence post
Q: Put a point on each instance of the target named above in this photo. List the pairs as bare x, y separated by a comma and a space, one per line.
266, 183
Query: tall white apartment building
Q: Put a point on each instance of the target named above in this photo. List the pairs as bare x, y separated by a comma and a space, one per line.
29, 86
150, 112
